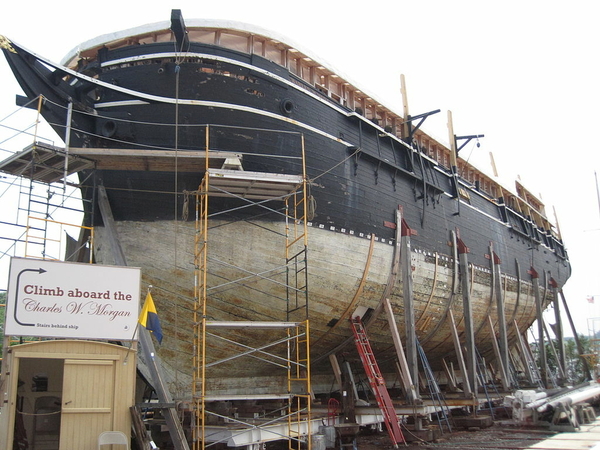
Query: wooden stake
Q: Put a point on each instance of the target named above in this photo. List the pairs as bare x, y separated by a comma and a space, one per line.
336, 371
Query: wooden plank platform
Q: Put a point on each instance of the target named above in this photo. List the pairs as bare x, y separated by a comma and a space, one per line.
240, 324
251, 185
154, 160
44, 163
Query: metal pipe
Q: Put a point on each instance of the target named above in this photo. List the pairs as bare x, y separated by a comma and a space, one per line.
573, 397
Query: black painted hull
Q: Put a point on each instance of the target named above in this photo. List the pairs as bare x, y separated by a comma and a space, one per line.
360, 173
359, 195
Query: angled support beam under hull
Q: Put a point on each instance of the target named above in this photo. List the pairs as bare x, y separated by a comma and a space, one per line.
409, 309
146, 344
502, 330
463, 251
540, 322
558, 331
586, 367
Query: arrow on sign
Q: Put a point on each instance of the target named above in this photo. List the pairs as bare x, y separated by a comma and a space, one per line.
39, 271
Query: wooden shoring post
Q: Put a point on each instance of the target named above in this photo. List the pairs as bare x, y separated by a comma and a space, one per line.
67, 143
463, 251
503, 334
350, 393
409, 309
561, 372
524, 354
147, 346
558, 332
532, 358
540, 322
501, 367
109, 225
459, 355
337, 372
450, 375
580, 350
455, 263
405, 375
401, 374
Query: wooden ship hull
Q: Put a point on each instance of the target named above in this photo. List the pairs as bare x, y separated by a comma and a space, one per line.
146, 105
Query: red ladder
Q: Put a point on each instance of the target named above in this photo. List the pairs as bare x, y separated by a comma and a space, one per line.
377, 382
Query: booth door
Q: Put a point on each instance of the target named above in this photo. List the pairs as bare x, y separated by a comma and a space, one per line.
87, 402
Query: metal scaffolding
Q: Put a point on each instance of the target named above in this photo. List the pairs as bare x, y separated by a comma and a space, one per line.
282, 345
42, 226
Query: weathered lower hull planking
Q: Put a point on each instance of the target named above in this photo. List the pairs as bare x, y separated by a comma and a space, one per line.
345, 273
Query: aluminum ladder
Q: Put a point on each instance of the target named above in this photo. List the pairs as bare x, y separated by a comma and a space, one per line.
377, 382
434, 391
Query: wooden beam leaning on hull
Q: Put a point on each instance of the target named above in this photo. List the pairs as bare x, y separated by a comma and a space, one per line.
525, 358
453, 244
409, 309
397, 266
463, 251
164, 396
405, 372
500, 310
586, 366
351, 306
499, 357
540, 320
459, 355
558, 331
391, 281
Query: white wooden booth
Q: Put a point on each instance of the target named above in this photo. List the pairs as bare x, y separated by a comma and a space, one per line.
61, 394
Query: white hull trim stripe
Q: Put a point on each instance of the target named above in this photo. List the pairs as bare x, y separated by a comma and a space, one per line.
230, 106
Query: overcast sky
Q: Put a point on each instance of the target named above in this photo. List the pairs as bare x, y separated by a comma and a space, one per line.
524, 73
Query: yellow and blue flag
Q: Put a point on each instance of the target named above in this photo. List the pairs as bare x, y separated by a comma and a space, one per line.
149, 318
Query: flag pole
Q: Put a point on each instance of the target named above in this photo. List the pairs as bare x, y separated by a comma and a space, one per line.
137, 325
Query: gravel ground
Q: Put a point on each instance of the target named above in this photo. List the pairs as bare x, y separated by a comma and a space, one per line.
499, 436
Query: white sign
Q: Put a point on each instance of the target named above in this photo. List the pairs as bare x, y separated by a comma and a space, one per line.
72, 300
